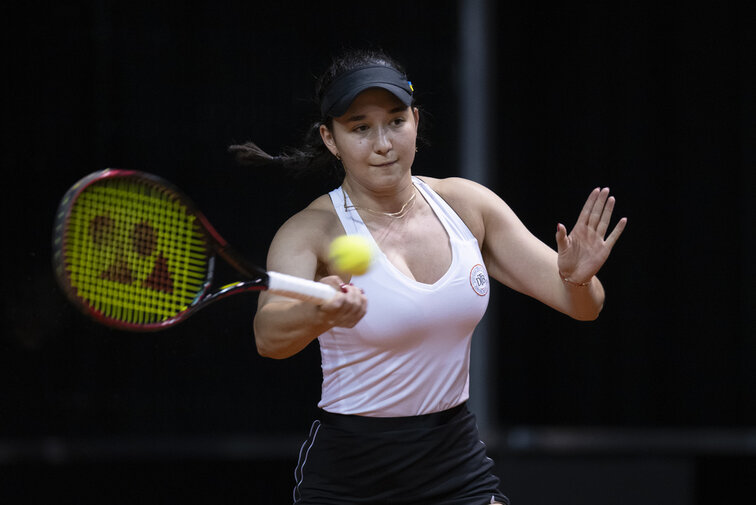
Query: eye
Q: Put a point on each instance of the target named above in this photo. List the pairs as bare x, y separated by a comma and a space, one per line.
398, 121
360, 128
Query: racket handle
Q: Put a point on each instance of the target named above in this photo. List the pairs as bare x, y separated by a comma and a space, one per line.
301, 289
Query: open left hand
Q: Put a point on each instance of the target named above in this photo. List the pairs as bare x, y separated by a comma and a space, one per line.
584, 250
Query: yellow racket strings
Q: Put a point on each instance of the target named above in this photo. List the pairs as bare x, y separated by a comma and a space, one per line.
134, 253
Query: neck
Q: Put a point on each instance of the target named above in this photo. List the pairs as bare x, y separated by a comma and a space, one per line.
394, 205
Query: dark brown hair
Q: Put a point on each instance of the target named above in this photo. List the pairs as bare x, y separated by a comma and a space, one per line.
313, 157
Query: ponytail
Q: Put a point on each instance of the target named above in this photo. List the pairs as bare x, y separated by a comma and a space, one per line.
312, 158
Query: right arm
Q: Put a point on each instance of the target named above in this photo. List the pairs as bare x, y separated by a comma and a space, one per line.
284, 326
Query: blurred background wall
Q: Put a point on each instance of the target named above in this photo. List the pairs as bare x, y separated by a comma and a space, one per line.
655, 402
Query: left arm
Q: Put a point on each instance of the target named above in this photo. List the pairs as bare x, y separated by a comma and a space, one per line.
516, 258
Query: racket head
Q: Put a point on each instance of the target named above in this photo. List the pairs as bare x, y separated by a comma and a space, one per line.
131, 250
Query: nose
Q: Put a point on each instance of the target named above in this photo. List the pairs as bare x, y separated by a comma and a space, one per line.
382, 142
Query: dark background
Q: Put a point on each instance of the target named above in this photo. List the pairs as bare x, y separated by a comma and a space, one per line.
656, 103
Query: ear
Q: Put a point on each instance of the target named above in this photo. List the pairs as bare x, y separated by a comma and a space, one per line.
328, 139
416, 113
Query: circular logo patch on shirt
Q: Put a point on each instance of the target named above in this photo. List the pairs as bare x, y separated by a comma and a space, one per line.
479, 280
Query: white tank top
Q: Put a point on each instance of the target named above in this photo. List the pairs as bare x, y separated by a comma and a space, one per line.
410, 354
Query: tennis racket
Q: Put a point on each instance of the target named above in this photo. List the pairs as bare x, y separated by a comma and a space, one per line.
133, 252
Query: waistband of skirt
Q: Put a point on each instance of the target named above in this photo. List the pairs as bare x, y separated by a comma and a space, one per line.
378, 424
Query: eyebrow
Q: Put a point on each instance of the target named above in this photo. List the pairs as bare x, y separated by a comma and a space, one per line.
360, 117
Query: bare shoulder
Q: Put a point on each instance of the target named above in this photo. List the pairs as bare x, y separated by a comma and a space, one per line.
306, 233
318, 219
455, 188
319, 214
468, 199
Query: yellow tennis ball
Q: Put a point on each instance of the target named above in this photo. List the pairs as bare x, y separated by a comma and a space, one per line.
350, 254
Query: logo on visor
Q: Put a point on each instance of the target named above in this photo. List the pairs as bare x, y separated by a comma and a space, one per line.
479, 280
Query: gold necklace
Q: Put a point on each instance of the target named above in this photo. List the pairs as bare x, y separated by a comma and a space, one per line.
395, 215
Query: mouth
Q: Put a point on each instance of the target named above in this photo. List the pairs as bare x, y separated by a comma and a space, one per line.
386, 164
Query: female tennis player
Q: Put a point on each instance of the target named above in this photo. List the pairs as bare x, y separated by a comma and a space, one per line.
393, 425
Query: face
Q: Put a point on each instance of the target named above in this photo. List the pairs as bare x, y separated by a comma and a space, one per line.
375, 139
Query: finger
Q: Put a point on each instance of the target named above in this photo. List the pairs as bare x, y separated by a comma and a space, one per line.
354, 299
606, 217
353, 309
561, 237
333, 306
616, 232
598, 208
340, 314
586, 211
334, 281
354, 316
351, 288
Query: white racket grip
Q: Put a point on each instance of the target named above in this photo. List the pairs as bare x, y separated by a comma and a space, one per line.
301, 289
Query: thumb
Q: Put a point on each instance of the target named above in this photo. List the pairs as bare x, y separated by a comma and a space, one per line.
561, 237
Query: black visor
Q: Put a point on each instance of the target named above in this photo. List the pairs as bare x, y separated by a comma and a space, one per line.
346, 87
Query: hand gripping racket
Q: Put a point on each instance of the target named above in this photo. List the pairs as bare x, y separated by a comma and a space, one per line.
133, 252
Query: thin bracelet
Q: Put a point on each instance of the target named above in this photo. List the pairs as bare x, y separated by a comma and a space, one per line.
573, 283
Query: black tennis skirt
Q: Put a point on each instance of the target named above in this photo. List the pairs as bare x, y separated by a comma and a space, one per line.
431, 459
